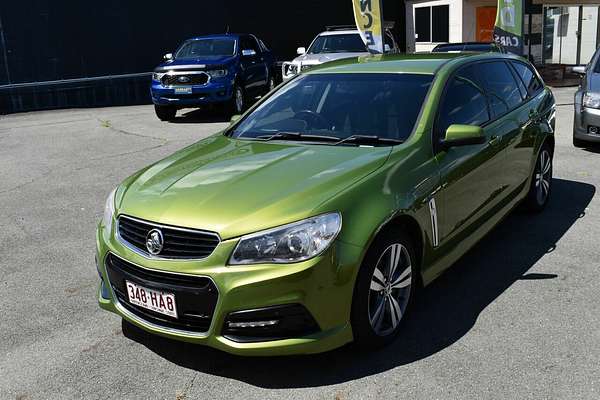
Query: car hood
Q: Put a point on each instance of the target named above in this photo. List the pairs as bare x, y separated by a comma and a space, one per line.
314, 59
195, 62
234, 187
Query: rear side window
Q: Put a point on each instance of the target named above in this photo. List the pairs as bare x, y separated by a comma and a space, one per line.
464, 102
500, 86
249, 43
532, 83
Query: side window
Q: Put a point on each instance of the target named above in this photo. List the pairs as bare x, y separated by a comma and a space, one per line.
500, 87
528, 77
249, 43
464, 102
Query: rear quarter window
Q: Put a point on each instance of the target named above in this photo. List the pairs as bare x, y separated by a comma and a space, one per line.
529, 78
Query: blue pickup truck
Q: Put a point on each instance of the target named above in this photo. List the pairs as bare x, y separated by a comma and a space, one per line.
227, 70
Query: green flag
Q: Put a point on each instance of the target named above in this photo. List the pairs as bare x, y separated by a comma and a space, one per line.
508, 30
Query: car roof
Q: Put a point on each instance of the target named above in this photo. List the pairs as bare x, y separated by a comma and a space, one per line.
425, 63
339, 32
218, 36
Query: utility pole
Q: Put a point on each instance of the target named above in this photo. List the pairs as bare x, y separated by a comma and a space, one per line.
4, 51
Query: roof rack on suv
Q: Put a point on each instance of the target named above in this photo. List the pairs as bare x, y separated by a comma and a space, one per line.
386, 25
340, 28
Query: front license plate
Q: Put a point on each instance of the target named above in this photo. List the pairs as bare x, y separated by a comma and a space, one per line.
183, 90
160, 302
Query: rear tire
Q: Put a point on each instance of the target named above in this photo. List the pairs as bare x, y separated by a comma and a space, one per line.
165, 113
541, 181
384, 295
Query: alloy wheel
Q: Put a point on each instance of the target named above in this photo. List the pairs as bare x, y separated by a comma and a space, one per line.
271, 83
390, 289
239, 100
543, 176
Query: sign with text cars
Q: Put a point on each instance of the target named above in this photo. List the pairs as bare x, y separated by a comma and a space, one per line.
368, 15
508, 30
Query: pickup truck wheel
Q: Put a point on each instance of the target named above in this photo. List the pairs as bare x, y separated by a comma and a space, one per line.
237, 102
165, 113
384, 290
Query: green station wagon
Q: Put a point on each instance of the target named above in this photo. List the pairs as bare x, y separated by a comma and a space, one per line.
314, 218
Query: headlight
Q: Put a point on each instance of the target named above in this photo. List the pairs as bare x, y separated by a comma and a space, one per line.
591, 100
157, 76
289, 243
109, 210
217, 73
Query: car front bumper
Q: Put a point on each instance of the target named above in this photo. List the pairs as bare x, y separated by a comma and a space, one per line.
211, 93
323, 286
586, 120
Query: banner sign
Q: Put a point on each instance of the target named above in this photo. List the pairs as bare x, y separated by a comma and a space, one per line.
508, 30
368, 15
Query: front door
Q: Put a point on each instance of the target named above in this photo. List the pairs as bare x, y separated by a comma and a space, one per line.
254, 66
471, 176
485, 20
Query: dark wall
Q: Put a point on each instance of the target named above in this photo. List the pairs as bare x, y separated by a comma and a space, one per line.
62, 39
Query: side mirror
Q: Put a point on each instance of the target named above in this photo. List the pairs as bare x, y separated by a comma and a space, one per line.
301, 51
248, 53
579, 69
234, 119
463, 135
168, 56
387, 48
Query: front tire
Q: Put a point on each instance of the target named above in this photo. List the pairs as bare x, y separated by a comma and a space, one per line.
384, 290
165, 113
541, 182
237, 102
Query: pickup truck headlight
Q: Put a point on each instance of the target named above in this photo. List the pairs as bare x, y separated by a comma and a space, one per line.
217, 73
591, 100
109, 210
289, 243
157, 76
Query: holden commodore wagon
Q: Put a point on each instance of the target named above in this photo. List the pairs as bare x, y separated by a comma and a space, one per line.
313, 219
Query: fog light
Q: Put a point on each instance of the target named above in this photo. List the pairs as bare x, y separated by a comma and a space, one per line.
270, 323
593, 130
252, 324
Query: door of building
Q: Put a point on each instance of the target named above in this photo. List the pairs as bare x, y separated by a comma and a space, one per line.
570, 34
485, 20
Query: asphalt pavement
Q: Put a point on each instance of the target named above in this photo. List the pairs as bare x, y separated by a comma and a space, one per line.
517, 318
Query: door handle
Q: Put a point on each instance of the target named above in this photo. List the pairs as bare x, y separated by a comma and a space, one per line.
494, 140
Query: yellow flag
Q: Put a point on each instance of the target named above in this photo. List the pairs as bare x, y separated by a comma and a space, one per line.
368, 15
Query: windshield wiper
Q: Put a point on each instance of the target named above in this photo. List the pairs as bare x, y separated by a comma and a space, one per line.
368, 140
298, 136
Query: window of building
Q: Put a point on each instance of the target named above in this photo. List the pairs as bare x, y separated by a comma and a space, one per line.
432, 24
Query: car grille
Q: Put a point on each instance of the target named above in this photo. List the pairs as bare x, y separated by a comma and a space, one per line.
179, 243
195, 296
185, 80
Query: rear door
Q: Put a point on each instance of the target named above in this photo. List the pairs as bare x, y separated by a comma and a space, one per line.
511, 123
471, 176
254, 66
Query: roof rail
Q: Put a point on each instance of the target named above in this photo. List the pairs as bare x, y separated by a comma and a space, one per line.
386, 25
340, 27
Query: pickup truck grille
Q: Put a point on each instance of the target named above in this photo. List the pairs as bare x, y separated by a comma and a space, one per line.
185, 80
178, 243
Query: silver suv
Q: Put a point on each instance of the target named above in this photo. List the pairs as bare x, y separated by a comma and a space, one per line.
335, 43
586, 124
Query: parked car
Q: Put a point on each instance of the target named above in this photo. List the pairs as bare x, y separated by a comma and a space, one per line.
225, 70
313, 219
586, 124
336, 43
485, 47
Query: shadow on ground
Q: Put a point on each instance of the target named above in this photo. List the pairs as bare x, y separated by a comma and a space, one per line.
446, 311
201, 116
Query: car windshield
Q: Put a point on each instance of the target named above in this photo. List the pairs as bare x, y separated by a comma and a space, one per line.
342, 43
206, 47
483, 47
339, 106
